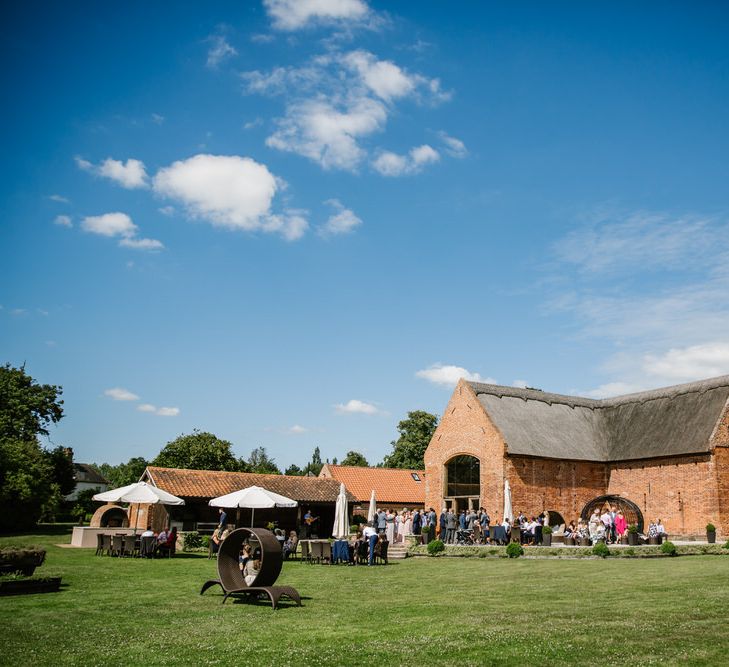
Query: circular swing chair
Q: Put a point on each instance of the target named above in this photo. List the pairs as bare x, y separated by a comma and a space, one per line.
231, 579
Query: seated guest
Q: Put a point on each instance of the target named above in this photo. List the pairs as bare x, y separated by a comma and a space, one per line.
660, 528
252, 568
148, 533
162, 537
652, 529
245, 556
570, 530
169, 543
582, 529
290, 544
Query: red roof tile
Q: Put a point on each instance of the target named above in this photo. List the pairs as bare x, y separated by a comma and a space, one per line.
391, 485
213, 483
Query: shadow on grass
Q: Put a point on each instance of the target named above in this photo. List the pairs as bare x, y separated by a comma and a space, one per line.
42, 529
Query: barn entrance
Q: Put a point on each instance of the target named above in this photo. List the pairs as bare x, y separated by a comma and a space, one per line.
630, 510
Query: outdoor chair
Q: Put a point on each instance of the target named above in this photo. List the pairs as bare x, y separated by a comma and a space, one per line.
305, 551
231, 579
129, 545
99, 544
117, 545
146, 546
381, 552
106, 542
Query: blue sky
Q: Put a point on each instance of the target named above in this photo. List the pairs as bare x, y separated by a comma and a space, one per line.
291, 223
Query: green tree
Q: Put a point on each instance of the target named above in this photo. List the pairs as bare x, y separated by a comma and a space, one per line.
26, 407
199, 450
64, 474
260, 462
354, 459
123, 473
28, 484
415, 434
315, 465
293, 469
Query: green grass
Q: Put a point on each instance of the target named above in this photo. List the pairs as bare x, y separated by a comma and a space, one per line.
441, 611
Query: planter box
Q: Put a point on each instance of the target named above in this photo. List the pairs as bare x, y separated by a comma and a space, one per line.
624, 539
584, 541
24, 561
711, 538
655, 540
633, 539
547, 540
569, 541
30, 586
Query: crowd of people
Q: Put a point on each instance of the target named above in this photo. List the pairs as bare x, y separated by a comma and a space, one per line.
165, 540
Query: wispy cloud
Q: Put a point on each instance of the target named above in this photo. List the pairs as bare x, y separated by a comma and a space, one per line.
219, 51
130, 174
290, 15
343, 221
160, 412
60, 199
388, 163
121, 394
355, 406
452, 146
63, 221
119, 225
448, 375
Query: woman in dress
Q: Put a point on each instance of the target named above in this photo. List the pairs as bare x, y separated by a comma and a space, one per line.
621, 524
408, 525
390, 526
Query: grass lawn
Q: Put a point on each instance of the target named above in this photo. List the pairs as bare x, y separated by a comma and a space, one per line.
418, 611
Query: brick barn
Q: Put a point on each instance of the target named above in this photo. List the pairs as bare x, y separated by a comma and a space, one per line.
658, 454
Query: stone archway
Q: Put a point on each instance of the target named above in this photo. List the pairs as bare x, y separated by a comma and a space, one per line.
632, 512
110, 516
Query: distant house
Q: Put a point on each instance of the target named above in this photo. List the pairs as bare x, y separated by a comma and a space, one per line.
197, 487
394, 488
87, 477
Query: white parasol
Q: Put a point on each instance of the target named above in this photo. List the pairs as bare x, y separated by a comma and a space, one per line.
140, 493
341, 512
508, 510
253, 498
373, 508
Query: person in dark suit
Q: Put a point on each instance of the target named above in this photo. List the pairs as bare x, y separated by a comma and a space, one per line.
417, 522
443, 521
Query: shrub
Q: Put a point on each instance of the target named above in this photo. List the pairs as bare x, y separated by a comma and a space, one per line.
191, 540
668, 548
726, 546
633, 528
359, 519
601, 549
435, 547
710, 528
514, 550
205, 539
629, 551
547, 530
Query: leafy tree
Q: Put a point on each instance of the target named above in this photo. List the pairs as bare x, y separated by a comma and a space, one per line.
415, 434
31, 479
64, 474
199, 450
315, 465
260, 462
84, 503
26, 407
123, 473
354, 459
293, 469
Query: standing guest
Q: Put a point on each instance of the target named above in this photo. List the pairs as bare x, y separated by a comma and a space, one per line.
594, 523
381, 521
462, 520
451, 526
417, 523
425, 530
222, 518
370, 535
390, 525
443, 523
408, 524
607, 521
485, 525
621, 524
432, 522
471, 519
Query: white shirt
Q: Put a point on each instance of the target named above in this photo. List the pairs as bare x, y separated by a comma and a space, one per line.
148, 533
368, 532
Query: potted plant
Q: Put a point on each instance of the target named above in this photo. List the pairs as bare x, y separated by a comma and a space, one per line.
710, 533
633, 537
547, 536
624, 538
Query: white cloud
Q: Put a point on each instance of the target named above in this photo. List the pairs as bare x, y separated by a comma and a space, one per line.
292, 15
448, 376
690, 363
454, 147
167, 210
110, 224
344, 221
392, 164
157, 119
611, 389
168, 412
329, 134
336, 101
297, 429
60, 199
141, 244
356, 407
130, 174
219, 51
146, 407
63, 221
226, 190
121, 394
256, 122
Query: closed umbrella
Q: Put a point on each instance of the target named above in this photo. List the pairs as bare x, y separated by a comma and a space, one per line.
253, 498
508, 510
341, 518
140, 493
373, 508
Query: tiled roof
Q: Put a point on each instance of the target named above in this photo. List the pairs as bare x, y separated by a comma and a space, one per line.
391, 485
83, 472
213, 483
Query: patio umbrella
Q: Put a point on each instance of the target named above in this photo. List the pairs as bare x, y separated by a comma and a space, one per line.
140, 493
253, 498
373, 508
508, 511
341, 518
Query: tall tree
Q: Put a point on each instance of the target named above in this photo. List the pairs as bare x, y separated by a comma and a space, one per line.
415, 434
315, 465
123, 473
259, 461
27, 472
199, 450
354, 459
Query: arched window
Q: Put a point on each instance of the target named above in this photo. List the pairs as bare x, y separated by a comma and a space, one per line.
632, 512
463, 477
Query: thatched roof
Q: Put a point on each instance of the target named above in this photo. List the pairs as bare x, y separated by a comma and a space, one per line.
663, 422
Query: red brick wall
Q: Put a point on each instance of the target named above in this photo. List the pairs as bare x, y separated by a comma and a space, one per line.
466, 429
